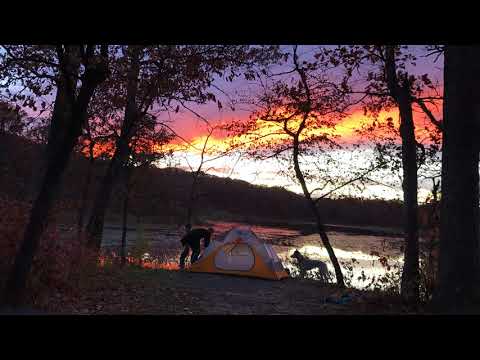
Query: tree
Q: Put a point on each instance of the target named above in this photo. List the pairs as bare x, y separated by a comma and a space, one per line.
399, 88
203, 151
145, 149
162, 77
74, 72
207, 153
96, 142
301, 113
195, 177
459, 221
391, 84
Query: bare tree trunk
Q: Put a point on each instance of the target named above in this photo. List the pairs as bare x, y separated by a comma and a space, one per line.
123, 250
410, 274
196, 174
17, 280
102, 199
127, 187
69, 115
401, 95
191, 199
432, 244
459, 222
306, 109
313, 207
86, 187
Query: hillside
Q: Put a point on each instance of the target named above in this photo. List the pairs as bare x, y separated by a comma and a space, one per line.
161, 194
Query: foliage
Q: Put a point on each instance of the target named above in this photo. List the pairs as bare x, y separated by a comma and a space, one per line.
59, 261
12, 119
389, 281
367, 65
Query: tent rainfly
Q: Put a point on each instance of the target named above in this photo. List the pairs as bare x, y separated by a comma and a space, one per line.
241, 252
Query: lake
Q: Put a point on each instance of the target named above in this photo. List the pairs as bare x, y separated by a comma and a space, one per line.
359, 254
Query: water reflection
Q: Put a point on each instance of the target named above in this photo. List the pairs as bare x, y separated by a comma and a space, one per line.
363, 257
354, 252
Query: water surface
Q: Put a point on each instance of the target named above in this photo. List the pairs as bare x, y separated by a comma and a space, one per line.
362, 252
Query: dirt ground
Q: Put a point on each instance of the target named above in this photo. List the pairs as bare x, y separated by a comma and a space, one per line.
144, 291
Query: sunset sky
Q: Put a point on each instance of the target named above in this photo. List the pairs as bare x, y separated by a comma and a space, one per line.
269, 172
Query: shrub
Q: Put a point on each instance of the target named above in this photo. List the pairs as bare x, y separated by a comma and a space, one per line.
57, 261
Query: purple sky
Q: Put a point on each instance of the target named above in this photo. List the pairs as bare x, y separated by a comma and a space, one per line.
189, 125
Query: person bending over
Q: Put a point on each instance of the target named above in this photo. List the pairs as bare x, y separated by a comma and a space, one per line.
192, 241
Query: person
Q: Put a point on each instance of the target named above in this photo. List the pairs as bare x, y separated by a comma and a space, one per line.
192, 241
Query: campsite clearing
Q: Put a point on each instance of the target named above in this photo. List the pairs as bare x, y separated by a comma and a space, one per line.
163, 292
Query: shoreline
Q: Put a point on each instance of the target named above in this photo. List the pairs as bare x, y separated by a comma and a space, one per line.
302, 228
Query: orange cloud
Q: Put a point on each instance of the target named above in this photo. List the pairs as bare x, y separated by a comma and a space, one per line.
265, 134
346, 130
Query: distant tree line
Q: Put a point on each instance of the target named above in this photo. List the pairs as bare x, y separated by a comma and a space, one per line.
164, 193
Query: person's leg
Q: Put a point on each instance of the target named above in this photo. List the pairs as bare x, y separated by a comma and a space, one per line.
184, 255
195, 253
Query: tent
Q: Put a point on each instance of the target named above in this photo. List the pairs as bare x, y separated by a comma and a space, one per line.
240, 252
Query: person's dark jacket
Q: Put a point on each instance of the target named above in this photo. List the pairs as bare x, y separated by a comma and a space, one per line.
194, 236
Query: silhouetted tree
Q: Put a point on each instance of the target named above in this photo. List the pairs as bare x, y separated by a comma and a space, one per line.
96, 142
207, 153
390, 84
302, 112
163, 76
74, 72
459, 224
399, 87
145, 149
195, 178
131, 115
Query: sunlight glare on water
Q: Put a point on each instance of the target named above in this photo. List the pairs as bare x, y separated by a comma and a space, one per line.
321, 252
365, 268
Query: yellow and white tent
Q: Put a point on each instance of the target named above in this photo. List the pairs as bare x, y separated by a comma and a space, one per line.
241, 252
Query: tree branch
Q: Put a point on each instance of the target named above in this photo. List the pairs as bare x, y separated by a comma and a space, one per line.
427, 111
348, 182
